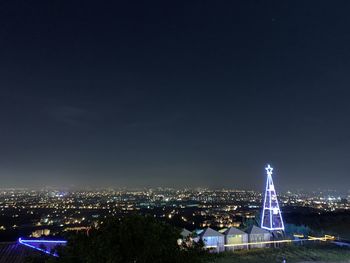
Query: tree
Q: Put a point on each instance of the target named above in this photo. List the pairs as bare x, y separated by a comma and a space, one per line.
132, 239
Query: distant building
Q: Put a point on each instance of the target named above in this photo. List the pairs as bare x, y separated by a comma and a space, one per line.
185, 233
185, 237
213, 239
257, 234
41, 232
236, 238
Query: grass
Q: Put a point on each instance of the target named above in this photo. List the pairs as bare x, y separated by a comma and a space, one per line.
292, 254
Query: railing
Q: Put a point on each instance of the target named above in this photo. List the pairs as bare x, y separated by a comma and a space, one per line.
309, 238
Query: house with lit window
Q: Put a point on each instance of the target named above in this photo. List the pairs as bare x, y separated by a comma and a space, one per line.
256, 235
235, 239
213, 240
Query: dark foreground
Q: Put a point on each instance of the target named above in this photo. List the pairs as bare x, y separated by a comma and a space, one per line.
309, 253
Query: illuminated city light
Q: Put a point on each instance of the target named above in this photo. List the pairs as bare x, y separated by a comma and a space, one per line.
271, 218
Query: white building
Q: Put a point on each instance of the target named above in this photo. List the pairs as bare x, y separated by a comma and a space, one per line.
257, 234
234, 238
213, 239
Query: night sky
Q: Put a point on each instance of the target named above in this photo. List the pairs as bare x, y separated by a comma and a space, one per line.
175, 93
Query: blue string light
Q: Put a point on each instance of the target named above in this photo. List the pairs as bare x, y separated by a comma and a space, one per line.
25, 243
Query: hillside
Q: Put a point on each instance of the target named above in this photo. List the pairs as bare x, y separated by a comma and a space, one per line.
292, 254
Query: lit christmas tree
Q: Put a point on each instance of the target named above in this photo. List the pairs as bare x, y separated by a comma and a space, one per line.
271, 218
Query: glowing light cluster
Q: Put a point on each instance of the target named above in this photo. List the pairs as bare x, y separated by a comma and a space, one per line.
271, 218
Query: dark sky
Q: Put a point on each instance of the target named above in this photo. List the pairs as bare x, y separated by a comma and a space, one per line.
175, 93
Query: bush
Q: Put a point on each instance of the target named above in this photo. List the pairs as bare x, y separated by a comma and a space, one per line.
133, 239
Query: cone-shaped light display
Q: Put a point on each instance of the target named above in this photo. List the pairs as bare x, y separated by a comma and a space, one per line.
271, 218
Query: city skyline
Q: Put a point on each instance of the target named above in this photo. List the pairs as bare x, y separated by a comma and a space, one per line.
198, 94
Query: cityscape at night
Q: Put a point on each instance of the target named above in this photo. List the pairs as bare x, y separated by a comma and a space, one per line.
49, 212
174, 131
